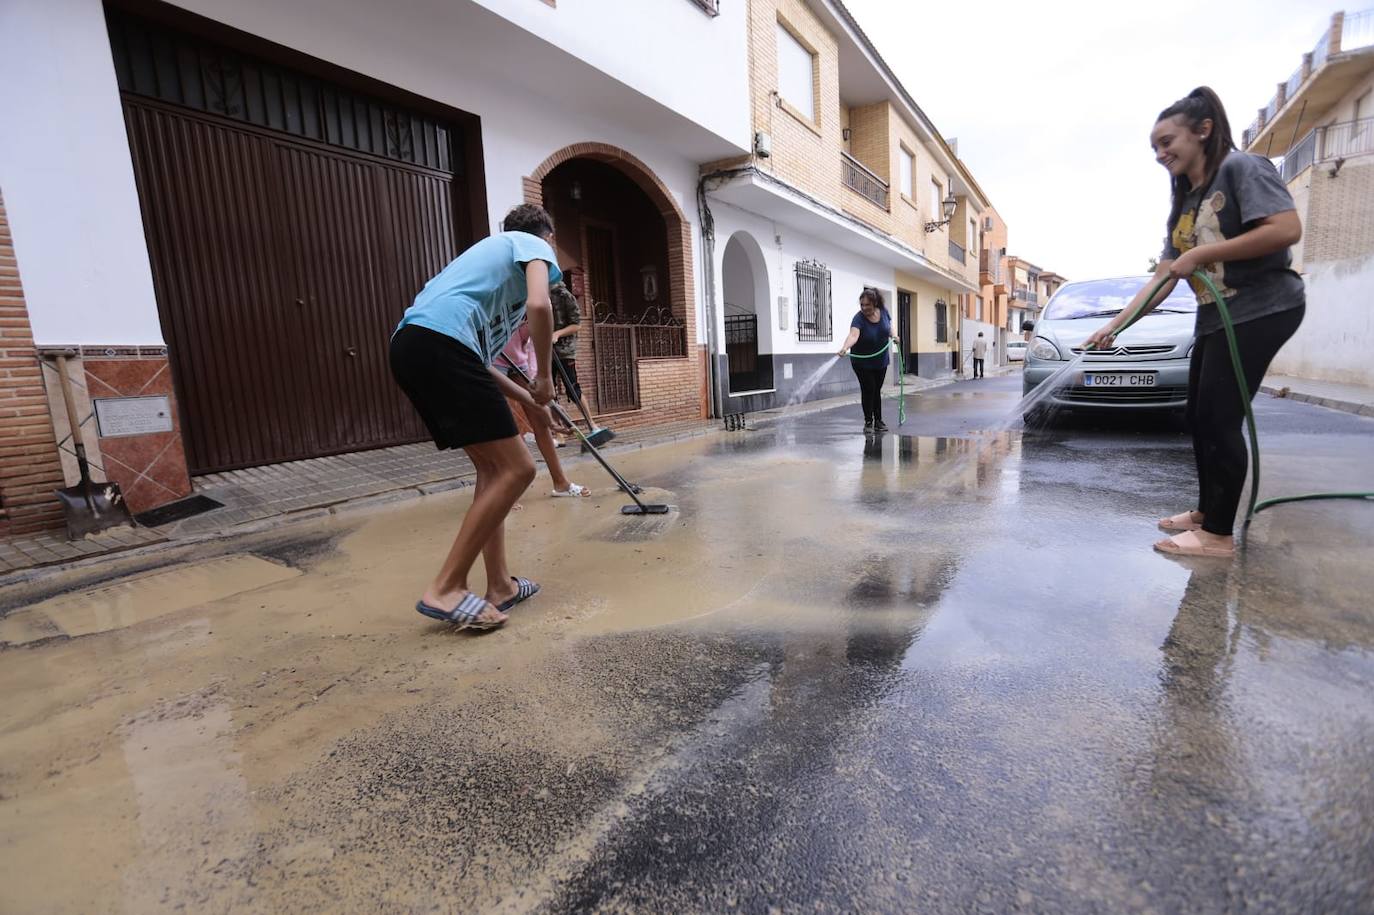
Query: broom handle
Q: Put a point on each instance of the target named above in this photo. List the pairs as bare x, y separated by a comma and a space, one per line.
570, 387
624, 484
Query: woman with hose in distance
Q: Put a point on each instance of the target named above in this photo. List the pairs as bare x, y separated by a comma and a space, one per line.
870, 334
1231, 217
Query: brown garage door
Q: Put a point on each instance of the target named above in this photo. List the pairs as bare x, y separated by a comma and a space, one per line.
289, 223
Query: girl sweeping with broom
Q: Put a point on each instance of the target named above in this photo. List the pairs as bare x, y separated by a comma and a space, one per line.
441, 355
1232, 217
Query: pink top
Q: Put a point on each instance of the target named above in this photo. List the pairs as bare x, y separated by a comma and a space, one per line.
519, 351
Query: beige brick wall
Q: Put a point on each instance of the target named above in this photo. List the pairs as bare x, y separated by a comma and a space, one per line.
29, 467
807, 154
1339, 222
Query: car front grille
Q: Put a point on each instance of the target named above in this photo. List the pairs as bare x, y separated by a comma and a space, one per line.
1128, 352
1157, 395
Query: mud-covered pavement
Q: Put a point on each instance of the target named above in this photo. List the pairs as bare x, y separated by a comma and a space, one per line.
926, 673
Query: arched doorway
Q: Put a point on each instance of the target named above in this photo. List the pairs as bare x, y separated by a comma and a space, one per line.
625, 247
748, 328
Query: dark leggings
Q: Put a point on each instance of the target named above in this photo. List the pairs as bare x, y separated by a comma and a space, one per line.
871, 390
1216, 412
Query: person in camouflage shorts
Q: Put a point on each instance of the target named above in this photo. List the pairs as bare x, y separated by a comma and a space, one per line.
566, 321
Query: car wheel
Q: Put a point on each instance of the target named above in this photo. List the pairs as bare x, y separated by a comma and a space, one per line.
1035, 418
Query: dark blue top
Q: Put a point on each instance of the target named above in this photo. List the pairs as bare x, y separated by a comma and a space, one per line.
873, 338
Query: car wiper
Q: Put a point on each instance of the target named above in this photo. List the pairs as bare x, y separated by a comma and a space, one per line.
1099, 314
1173, 311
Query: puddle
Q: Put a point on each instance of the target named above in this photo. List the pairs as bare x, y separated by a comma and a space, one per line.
136, 600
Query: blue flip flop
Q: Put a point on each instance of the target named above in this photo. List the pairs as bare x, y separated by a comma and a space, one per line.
467, 615
524, 590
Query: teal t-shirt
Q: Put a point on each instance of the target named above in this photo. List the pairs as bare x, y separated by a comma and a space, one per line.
479, 298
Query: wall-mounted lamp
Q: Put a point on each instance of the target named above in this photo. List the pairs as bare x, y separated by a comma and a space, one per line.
576, 190
949, 205
846, 133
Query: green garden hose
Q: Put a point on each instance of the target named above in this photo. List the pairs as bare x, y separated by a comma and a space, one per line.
901, 379
1255, 506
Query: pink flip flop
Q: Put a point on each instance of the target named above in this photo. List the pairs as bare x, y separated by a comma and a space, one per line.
1170, 526
1188, 544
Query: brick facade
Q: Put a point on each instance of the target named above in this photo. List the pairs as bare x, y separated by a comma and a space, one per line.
29, 466
1338, 224
808, 155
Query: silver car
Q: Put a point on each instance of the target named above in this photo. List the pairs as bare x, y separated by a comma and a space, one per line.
1147, 367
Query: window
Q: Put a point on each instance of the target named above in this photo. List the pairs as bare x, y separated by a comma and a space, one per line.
1362, 106
978, 309
813, 302
908, 168
795, 73
936, 195
941, 321
972, 235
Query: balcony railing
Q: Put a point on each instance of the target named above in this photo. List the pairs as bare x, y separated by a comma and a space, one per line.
989, 267
862, 181
956, 252
1335, 141
1350, 32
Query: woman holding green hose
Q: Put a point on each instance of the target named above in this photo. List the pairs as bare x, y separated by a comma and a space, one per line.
1231, 217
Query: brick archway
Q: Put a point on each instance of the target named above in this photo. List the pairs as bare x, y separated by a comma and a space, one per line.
681, 288
673, 388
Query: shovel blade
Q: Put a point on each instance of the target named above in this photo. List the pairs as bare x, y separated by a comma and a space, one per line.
93, 507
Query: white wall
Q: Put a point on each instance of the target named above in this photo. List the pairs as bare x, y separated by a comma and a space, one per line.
669, 50
1337, 332
849, 274
67, 178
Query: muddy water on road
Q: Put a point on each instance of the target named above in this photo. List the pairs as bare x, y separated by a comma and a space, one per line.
269, 725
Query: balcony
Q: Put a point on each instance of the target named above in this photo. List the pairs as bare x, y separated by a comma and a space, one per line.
862, 181
956, 252
989, 268
1325, 144
1341, 59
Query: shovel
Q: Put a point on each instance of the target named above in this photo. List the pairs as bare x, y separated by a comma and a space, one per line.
88, 507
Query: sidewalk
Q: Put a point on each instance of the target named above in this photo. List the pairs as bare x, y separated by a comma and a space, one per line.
260, 497
1350, 398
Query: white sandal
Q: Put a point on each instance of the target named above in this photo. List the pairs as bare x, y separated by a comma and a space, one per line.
574, 491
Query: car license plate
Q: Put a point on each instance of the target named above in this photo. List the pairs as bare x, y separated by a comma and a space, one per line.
1118, 380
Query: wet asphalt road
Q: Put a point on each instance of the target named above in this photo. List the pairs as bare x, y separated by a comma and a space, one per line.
939, 671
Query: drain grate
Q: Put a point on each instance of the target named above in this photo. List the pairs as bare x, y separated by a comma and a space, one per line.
177, 511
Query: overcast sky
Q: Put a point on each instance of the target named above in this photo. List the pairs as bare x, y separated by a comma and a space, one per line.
1052, 103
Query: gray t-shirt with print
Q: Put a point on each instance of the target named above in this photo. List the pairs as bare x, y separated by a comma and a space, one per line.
1247, 189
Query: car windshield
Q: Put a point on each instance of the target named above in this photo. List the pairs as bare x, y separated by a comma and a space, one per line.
1100, 298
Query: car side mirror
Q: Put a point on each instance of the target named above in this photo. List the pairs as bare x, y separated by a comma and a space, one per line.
1028, 325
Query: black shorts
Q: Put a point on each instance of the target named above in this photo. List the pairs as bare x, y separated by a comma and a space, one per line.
575, 394
451, 389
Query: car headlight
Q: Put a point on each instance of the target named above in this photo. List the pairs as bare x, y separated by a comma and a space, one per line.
1041, 348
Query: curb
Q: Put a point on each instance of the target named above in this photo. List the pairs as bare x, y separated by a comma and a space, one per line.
1331, 403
